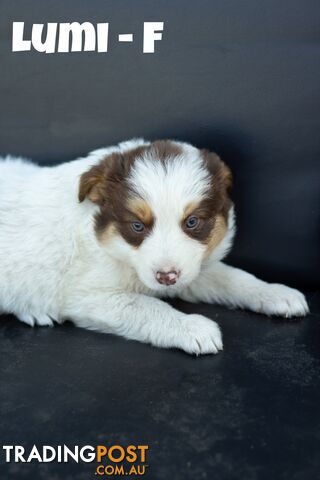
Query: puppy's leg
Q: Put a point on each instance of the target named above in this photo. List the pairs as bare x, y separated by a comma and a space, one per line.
230, 286
146, 319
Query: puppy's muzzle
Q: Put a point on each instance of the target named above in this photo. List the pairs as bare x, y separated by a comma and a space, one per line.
167, 278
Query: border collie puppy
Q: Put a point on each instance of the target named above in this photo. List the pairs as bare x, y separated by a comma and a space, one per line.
101, 239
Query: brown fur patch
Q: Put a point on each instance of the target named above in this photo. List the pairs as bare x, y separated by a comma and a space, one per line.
112, 170
164, 149
213, 210
189, 209
141, 210
217, 233
108, 233
106, 185
218, 169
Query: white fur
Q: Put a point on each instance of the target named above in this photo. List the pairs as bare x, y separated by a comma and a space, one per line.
52, 267
167, 189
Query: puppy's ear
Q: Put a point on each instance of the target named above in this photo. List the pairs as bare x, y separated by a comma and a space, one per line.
226, 176
218, 168
105, 177
93, 185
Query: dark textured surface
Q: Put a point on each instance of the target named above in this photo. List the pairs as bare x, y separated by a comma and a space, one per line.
251, 412
241, 78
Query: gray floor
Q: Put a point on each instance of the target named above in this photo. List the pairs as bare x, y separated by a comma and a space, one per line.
251, 412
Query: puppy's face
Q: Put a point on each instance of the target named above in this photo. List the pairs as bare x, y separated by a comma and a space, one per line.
163, 209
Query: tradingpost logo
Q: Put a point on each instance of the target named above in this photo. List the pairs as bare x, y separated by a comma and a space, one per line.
110, 460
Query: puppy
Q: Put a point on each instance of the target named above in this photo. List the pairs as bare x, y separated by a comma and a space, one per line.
101, 239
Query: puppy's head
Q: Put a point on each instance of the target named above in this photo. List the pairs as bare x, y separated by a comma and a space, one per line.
163, 209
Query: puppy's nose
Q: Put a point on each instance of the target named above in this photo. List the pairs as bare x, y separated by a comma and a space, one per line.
167, 278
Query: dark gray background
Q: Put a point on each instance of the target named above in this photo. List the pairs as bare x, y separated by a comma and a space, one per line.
239, 77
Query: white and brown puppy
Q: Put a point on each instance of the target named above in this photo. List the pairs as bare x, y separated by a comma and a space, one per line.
97, 240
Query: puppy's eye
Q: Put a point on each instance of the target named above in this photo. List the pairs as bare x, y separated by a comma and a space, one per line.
192, 222
137, 227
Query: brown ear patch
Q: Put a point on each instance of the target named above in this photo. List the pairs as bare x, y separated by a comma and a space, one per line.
92, 185
218, 169
108, 176
227, 177
114, 168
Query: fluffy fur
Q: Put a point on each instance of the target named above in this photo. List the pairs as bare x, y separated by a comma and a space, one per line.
69, 248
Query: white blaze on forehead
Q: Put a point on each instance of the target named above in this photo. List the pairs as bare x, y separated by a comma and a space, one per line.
170, 185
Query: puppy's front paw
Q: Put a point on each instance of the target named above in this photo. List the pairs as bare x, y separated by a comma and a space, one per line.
199, 335
32, 320
276, 299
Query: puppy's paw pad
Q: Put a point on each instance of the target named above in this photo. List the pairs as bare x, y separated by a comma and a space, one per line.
283, 301
200, 335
